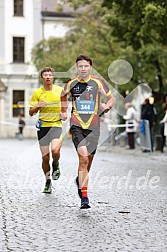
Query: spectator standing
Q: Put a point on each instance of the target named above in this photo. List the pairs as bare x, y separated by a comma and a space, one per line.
163, 128
164, 104
21, 123
131, 124
149, 113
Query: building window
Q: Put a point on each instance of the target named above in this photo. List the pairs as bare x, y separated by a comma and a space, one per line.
18, 49
18, 103
18, 8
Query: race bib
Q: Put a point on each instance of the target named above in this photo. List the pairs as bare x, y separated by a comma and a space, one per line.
85, 107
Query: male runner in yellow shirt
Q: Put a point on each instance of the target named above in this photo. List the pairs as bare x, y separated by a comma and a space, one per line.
46, 101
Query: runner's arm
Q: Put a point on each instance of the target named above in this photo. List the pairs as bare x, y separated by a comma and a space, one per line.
104, 90
64, 106
35, 109
110, 103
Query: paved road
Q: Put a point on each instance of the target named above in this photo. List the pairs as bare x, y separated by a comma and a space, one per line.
128, 195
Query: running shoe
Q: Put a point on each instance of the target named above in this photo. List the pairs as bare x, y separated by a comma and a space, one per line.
56, 171
48, 186
84, 203
79, 190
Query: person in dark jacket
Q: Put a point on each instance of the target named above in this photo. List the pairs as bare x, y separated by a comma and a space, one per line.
148, 112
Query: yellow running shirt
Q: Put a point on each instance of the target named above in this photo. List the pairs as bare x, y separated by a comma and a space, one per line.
49, 115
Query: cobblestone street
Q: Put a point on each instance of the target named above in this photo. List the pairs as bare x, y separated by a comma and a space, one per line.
128, 197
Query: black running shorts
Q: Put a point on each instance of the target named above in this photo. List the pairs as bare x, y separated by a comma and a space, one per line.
47, 134
85, 137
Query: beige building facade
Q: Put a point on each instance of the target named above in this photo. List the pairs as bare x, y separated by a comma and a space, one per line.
23, 24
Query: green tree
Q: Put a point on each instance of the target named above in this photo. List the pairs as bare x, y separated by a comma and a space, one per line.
54, 52
89, 34
142, 25
133, 30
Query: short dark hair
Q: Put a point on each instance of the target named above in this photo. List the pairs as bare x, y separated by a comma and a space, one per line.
147, 101
46, 69
84, 57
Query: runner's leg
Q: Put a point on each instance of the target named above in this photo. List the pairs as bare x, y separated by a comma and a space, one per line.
45, 160
83, 166
90, 157
55, 147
